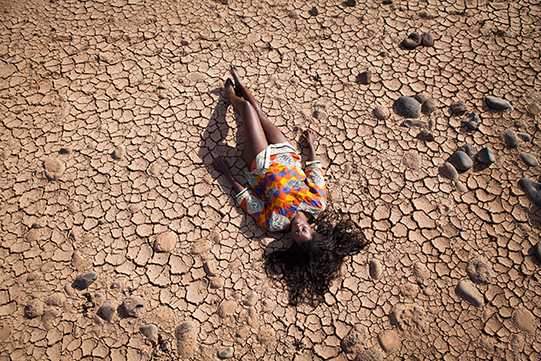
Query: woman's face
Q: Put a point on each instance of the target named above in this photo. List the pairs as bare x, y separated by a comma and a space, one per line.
301, 231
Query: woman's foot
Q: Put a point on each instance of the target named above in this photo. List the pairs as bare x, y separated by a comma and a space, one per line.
236, 77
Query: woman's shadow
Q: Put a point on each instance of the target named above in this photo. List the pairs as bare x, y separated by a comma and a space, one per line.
214, 143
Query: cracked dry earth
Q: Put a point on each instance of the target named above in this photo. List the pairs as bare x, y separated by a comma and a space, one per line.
119, 240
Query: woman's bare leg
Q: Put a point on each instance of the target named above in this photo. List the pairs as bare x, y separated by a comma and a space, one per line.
273, 134
254, 136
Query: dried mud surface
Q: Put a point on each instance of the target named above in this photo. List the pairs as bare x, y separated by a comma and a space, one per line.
112, 112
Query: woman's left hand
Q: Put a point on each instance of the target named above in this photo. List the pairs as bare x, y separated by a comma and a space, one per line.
221, 165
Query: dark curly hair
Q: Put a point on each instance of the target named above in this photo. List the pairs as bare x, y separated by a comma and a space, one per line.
307, 269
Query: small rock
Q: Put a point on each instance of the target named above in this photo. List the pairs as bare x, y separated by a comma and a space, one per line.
98, 300
460, 160
64, 151
510, 138
56, 299
133, 305
479, 271
524, 320
106, 311
389, 341
227, 308
449, 171
429, 106
423, 14
371, 354
415, 123
425, 135
53, 169
537, 250
84, 280
467, 290
354, 340
216, 282
472, 121
387, 2
250, 299
532, 189
459, 107
150, 331
314, 11
33, 309
319, 114
427, 39
497, 103
533, 109
486, 156
211, 268
420, 271
408, 107
468, 148
117, 153
364, 78
529, 159
185, 334
49, 315
376, 270
412, 41
225, 353
381, 113
421, 98
350, 3
524, 137
165, 242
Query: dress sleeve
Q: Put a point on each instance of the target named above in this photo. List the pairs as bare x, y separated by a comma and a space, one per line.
314, 175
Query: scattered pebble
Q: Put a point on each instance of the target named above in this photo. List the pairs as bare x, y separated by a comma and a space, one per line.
351, 3
533, 109
389, 341
537, 250
532, 189
449, 171
459, 107
118, 153
524, 137
107, 311
225, 353
185, 334
211, 269
429, 106
486, 156
150, 331
472, 121
216, 282
421, 97
427, 39
460, 160
49, 315
376, 270
412, 41
227, 308
84, 280
33, 309
371, 354
364, 78
54, 169
354, 340
314, 11
250, 299
524, 320
64, 151
410, 318
510, 138
479, 271
165, 242
408, 107
425, 135
497, 103
133, 306
467, 290
529, 159
381, 113
56, 299
98, 300
468, 148
420, 271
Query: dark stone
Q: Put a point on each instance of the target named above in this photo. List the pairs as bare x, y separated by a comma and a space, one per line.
133, 305
460, 160
459, 107
532, 189
537, 250
472, 120
150, 331
479, 271
467, 148
408, 107
381, 112
33, 309
314, 11
84, 280
427, 39
486, 156
496, 103
467, 290
225, 353
371, 354
429, 106
350, 3
529, 159
426, 136
387, 2
106, 311
421, 97
64, 151
448, 170
524, 137
533, 109
364, 78
510, 138
412, 41
415, 123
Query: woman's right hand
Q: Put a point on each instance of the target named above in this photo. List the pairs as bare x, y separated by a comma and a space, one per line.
309, 135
